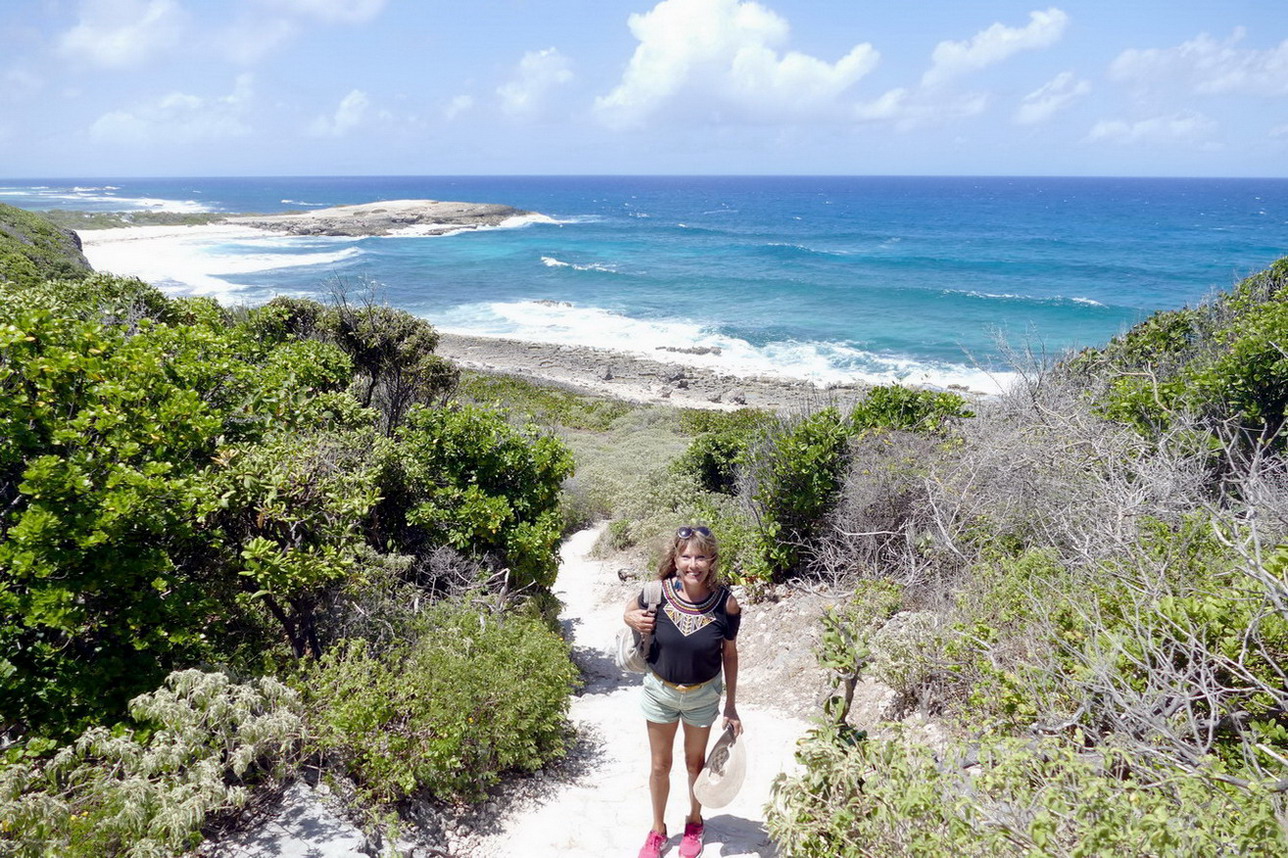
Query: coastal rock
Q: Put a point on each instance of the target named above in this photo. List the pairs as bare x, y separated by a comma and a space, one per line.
393, 217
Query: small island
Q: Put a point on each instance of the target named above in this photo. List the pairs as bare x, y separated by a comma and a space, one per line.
390, 217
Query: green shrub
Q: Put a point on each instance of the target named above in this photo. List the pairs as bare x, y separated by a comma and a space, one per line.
462, 476
545, 406
1009, 797
473, 696
33, 249
721, 443
897, 407
795, 476
1223, 361
148, 794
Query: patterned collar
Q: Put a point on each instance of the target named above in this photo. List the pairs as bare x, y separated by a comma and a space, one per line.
683, 605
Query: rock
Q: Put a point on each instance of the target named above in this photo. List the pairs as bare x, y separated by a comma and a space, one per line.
606, 373
737, 397
301, 826
416, 217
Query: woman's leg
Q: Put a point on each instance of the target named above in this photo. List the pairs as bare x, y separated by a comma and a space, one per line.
661, 742
695, 754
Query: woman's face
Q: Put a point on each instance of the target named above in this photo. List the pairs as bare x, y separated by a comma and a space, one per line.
693, 564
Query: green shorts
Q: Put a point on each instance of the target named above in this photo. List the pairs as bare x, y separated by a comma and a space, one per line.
698, 706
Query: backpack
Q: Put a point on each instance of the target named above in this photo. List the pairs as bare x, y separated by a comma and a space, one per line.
632, 649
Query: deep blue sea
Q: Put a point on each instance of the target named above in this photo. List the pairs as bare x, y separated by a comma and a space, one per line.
830, 278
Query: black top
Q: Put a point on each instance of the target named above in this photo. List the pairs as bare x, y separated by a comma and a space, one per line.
688, 640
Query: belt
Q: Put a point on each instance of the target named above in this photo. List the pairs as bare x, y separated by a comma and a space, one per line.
679, 687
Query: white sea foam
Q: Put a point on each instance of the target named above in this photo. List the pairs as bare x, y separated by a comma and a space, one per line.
302, 203
196, 260
551, 262
1036, 299
820, 362
103, 196
421, 230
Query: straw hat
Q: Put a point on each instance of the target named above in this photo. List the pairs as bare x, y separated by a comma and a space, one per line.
722, 774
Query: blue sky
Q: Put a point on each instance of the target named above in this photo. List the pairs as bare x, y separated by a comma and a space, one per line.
302, 87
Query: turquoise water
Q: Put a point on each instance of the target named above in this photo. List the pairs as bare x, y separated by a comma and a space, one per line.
828, 277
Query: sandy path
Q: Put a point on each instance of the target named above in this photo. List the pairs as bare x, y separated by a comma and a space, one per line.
604, 810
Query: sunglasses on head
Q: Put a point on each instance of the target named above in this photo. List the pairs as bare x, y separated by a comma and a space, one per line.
687, 532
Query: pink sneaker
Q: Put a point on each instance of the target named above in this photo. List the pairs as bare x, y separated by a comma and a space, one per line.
691, 842
652, 847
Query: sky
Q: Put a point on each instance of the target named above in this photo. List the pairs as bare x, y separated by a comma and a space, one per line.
98, 88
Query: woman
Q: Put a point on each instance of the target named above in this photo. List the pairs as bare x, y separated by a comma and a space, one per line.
694, 642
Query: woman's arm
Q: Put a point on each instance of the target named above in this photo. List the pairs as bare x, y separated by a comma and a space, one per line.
730, 660
636, 617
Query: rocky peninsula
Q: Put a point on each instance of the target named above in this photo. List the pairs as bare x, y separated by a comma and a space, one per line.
388, 217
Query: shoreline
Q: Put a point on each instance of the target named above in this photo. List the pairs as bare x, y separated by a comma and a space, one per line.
627, 376
700, 377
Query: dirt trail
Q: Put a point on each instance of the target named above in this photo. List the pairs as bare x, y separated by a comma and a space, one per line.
601, 808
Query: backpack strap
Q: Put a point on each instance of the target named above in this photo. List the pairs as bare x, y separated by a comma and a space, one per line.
652, 601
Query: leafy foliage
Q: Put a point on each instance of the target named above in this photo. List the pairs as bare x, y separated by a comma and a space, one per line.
1006, 797
462, 476
470, 697
208, 742
32, 249
1224, 360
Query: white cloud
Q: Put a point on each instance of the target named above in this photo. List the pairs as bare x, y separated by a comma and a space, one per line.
724, 56
121, 33
1279, 130
350, 113
1185, 125
20, 84
335, 11
1053, 96
249, 40
458, 105
178, 118
992, 45
910, 109
539, 72
1207, 66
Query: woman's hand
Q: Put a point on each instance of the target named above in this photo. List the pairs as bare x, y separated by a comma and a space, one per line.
639, 619
731, 719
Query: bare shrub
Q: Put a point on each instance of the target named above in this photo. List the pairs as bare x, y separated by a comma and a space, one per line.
879, 526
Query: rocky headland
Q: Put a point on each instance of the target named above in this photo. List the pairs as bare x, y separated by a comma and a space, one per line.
389, 217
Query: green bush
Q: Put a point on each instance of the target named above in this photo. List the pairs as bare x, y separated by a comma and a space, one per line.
1223, 361
148, 794
475, 695
795, 474
33, 249
895, 797
721, 442
545, 406
462, 476
897, 407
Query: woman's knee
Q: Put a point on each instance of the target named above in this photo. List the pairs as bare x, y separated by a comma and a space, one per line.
661, 765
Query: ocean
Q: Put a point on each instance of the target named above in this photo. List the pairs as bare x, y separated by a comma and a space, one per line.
915, 279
